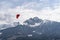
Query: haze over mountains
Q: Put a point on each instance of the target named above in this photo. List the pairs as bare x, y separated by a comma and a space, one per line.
32, 29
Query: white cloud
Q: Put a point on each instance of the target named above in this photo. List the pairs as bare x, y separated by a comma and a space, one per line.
5, 5
36, 24
30, 35
26, 13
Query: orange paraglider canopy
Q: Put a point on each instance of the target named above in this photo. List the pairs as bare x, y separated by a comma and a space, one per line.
17, 16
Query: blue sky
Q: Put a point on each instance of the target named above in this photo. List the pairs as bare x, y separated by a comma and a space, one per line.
42, 3
44, 9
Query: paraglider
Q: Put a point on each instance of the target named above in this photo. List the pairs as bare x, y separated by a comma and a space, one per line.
17, 16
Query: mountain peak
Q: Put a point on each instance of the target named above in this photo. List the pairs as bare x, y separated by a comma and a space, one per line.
32, 21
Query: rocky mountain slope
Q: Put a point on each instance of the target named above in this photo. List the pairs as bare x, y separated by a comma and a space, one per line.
44, 30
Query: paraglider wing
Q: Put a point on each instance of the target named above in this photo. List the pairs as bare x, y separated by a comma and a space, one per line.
17, 16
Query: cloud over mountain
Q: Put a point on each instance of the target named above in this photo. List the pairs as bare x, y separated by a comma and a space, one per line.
28, 9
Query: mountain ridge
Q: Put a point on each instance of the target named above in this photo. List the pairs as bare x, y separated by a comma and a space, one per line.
48, 30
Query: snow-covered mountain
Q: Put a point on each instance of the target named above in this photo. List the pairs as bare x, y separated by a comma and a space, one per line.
32, 22
5, 26
45, 30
